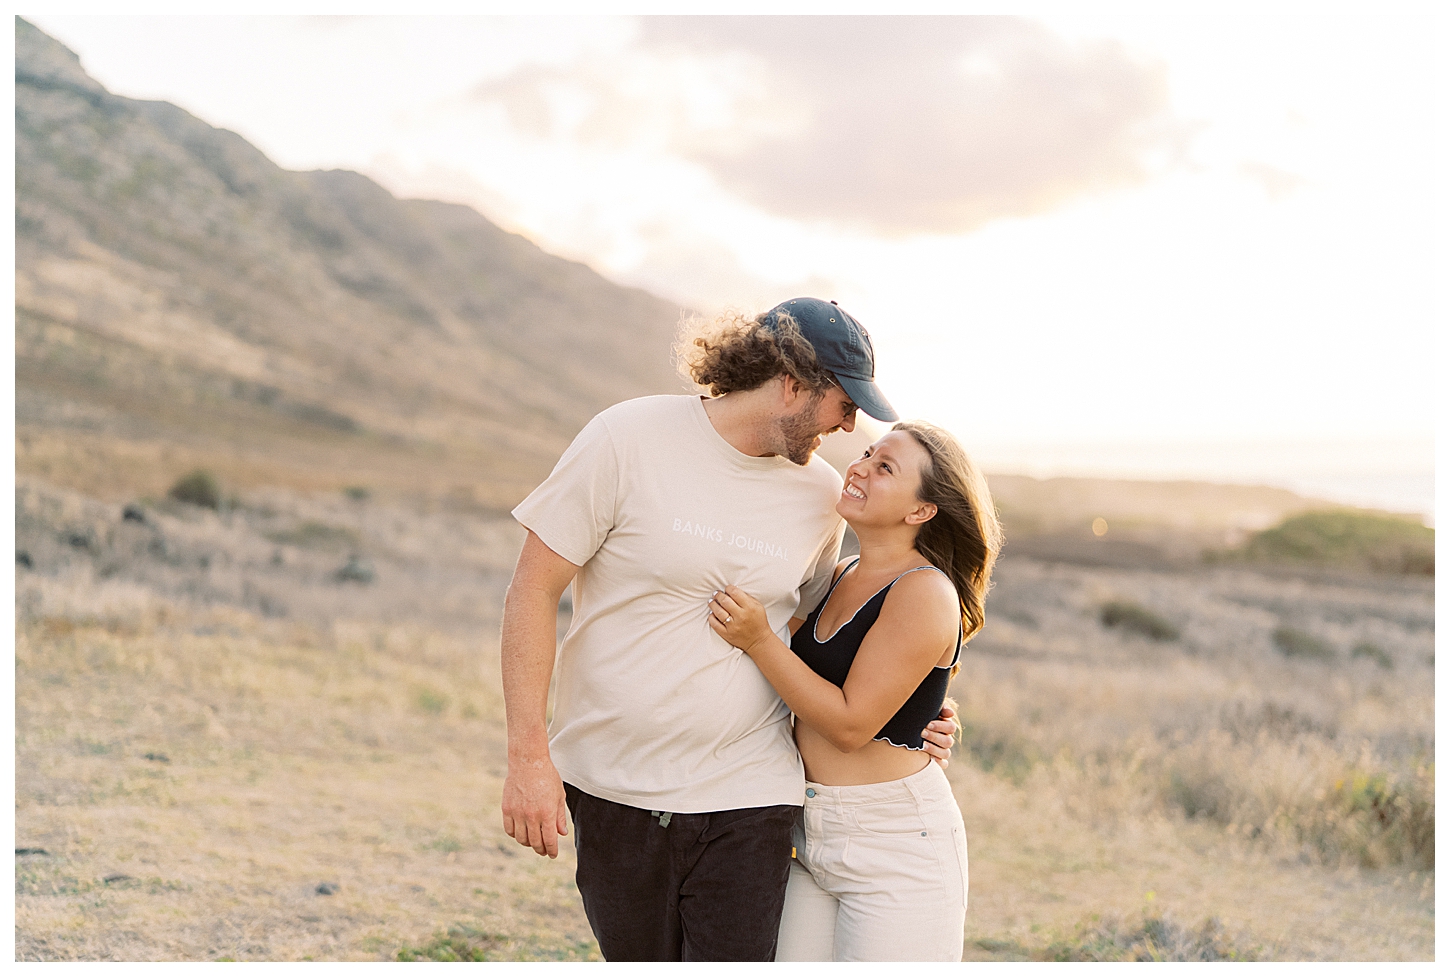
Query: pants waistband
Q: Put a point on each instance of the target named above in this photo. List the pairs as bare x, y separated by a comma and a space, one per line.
928, 779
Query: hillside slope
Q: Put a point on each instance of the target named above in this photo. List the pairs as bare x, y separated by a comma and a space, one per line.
181, 299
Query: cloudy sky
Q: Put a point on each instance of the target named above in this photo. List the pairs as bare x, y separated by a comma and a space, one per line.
1160, 246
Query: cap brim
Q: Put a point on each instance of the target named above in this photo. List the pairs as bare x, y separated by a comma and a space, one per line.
867, 396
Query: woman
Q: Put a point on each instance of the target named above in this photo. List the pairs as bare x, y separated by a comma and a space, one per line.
881, 862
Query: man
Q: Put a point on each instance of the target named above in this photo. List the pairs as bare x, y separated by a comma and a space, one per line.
671, 751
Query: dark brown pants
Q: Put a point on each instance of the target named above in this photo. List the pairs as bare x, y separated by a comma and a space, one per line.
701, 887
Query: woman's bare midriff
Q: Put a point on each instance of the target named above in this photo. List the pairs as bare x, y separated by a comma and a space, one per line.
877, 762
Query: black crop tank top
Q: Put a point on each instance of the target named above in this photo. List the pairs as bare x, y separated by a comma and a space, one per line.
831, 660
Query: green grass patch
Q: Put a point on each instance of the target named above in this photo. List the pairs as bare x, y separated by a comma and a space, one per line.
31, 880
462, 943
1002, 753
430, 700
316, 536
1346, 538
1137, 619
447, 844
1301, 644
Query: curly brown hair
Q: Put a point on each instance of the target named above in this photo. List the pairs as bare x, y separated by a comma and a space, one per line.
736, 351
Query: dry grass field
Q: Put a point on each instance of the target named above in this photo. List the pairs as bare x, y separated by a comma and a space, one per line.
224, 751
196, 787
1265, 804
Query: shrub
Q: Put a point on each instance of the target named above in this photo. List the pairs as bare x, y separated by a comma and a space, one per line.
357, 493
1374, 653
197, 488
356, 569
1304, 794
1138, 619
1370, 818
1347, 538
1301, 644
1157, 937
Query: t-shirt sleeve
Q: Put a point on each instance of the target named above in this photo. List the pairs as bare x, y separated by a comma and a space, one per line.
814, 589
572, 510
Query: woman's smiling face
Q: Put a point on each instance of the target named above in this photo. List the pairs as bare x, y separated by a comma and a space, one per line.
881, 486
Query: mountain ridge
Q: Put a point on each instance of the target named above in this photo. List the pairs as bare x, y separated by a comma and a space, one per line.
182, 300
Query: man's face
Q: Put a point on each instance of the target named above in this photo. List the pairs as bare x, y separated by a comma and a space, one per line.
800, 433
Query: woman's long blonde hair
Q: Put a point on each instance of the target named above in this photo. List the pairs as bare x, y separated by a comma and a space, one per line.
964, 537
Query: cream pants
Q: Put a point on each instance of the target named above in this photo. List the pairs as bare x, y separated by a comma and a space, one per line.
880, 873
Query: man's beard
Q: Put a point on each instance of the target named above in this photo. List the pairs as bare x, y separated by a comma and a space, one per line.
798, 433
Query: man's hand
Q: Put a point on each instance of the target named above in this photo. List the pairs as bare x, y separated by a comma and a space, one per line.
941, 733
534, 811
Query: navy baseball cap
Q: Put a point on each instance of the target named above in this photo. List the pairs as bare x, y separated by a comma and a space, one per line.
843, 347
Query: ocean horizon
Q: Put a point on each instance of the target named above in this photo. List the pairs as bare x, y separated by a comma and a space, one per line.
1394, 475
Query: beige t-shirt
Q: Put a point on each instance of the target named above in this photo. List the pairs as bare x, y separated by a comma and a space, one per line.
652, 708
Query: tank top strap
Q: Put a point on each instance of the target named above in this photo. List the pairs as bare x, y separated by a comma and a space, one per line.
839, 577
926, 566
